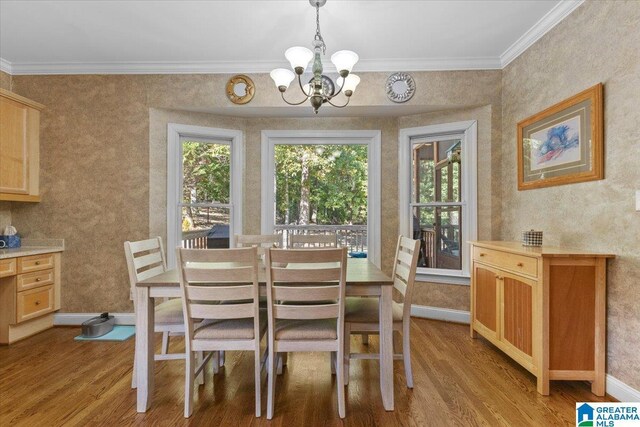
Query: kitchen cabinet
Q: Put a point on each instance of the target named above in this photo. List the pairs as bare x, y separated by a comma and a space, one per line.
19, 148
544, 307
29, 295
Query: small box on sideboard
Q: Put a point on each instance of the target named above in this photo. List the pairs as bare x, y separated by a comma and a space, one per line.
545, 307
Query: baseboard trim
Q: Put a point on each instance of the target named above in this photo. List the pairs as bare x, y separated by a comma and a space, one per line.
76, 319
621, 391
439, 313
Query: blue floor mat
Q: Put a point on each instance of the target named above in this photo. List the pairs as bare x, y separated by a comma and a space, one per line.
119, 333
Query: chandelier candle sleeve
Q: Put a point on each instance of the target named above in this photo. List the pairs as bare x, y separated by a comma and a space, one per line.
299, 57
350, 83
282, 78
344, 60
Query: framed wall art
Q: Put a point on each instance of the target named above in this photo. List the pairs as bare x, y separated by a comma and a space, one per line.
563, 144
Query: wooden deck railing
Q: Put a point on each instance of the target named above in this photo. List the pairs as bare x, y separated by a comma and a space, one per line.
196, 239
353, 237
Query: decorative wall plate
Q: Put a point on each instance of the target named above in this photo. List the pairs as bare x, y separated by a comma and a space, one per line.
240, 89
400, 87
327, 85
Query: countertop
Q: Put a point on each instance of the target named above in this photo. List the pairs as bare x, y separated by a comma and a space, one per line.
33, 247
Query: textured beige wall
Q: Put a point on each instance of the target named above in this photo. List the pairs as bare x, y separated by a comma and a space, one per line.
100, 134
5, 80
599, 42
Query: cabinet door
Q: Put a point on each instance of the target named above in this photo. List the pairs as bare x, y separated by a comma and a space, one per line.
485, 303
517, 310
14, 161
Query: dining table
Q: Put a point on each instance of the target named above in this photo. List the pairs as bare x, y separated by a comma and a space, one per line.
363, 279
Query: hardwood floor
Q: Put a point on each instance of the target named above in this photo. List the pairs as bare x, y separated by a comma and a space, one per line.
51, 380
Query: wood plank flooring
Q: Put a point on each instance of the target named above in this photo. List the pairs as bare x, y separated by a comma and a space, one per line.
51, 380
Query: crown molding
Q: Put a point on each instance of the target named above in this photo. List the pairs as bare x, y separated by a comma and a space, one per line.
539, 29
232, 67
5, 66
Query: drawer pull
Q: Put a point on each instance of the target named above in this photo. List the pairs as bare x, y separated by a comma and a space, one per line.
37, 262
37, 302
38, 279
520, 264
482, 254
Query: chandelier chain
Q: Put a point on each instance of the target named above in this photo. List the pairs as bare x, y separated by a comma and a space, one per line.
318, 36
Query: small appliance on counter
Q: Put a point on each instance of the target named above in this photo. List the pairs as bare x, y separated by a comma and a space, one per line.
9, 238
532, 238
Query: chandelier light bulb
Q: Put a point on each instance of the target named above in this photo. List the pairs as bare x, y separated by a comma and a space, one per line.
344, 60
350, 82
282, 78
299, 57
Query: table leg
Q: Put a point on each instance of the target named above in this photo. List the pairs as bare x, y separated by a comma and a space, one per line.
144, 347
386, 347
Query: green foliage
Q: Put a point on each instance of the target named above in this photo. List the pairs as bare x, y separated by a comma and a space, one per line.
337, 183
206, 169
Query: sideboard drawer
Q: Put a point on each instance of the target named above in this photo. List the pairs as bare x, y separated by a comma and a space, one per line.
8, 267
34, 280
508, 261
35, 263
34, 303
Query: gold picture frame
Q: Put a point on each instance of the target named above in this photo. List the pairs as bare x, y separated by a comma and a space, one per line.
240, 89
564, 143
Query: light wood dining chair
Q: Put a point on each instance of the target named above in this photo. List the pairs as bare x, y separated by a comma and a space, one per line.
362, 314
260, 241
304, 241
299, 285
146, 258
220, 304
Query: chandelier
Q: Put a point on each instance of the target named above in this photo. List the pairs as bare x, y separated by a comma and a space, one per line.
320, 88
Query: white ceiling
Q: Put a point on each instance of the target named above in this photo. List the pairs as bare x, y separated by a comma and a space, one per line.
85, 36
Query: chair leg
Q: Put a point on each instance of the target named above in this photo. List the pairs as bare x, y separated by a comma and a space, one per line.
346, 359
199, 359
333, 362
406, 353
165, 343
216, 362
188, 384
134, 383
257, 379
340, 383
271, 375
365, 339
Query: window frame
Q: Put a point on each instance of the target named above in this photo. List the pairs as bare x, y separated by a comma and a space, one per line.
176, 134
468, 133
371, 138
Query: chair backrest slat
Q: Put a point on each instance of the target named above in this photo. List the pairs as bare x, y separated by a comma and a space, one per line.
405, 257
403, 272
221, 311
305, 276
260, 241
303, 256
149, 273
220, 293
306, 293
306, 312
222, 275
299, 241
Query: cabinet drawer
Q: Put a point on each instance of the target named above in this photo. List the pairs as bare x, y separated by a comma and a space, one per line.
8, 267
34, 280
35, 263
34, 303
508, 261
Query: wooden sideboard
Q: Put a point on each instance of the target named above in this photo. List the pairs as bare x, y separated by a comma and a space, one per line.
29, 295
545, 307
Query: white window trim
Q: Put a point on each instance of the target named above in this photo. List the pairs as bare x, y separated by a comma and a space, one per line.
470, 192
371, 138
174, 177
